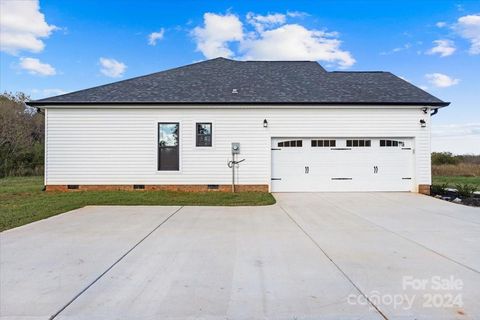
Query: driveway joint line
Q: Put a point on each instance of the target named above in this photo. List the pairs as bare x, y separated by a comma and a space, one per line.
333, 262
113, 265
407, 239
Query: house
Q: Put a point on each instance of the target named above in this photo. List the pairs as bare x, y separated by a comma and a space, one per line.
298, 127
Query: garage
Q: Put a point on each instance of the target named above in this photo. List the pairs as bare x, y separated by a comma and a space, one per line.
342, 164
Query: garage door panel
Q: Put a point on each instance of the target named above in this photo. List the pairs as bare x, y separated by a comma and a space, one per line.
339, 168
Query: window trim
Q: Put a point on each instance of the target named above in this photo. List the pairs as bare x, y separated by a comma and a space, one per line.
178, 147
197, 135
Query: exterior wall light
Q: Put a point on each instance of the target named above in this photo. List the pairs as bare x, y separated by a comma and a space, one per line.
265, 123
423, 124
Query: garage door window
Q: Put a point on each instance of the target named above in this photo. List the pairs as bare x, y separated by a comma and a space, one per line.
324, 143
359, 143
290, 143
391, 143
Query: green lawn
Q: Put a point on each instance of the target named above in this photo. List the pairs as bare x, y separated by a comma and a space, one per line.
452, 181
22, 200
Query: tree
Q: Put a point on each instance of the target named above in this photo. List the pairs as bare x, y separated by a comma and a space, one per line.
21, 136
439, 158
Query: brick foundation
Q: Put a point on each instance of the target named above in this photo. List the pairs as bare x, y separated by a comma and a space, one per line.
167, 187
424, 189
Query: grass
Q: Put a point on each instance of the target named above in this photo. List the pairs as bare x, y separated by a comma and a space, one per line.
456, 174
22, 200
452, 181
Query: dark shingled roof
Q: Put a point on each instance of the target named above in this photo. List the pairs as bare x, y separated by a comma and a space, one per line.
257, 82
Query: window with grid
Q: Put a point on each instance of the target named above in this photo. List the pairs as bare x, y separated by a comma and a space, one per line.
290, 143
359, 143
168, 142
391, 143
204, 134
324, 143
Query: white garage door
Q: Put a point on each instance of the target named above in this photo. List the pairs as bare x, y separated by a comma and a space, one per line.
342, 164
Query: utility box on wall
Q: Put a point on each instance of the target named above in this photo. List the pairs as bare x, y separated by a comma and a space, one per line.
235, 147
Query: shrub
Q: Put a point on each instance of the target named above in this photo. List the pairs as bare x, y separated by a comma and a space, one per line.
438, 188
465, 190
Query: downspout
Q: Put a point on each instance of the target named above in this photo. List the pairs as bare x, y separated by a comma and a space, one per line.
434, 112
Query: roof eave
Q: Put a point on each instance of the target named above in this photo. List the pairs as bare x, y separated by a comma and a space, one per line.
40, 104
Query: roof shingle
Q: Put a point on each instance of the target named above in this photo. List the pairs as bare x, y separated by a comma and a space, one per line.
257, 82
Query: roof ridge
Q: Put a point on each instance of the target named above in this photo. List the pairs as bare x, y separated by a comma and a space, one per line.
313, 61
359, 72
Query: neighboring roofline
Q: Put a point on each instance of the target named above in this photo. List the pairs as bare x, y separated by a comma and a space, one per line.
59, 103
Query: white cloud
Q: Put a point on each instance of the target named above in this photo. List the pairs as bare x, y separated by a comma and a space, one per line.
34, 66
458, 138
441, 80
406, 46
272, 39
41, 93
443, 47
295, 42
22, 26
297, 14
469, 28
265, 22
155, 36
441, 24
53, 92
450, 130
212, 39
112, 68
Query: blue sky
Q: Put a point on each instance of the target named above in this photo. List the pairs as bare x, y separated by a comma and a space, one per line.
50, 47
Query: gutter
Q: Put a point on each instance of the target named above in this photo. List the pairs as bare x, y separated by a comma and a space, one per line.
41, 104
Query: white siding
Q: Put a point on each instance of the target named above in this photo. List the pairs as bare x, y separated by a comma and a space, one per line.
119, 146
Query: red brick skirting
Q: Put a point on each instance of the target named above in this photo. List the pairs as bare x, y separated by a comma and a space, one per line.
424, 189
167, 187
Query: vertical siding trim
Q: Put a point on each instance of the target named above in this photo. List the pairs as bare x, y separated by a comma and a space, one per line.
45, 161
429, 156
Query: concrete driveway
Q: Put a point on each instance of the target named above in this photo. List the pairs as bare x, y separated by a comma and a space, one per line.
310, 256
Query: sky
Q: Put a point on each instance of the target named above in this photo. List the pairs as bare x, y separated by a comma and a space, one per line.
52, 47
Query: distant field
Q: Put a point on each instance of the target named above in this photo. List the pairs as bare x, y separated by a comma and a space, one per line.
461, 169
460, 173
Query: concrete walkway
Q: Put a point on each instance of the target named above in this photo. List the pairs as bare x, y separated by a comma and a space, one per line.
310, 256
